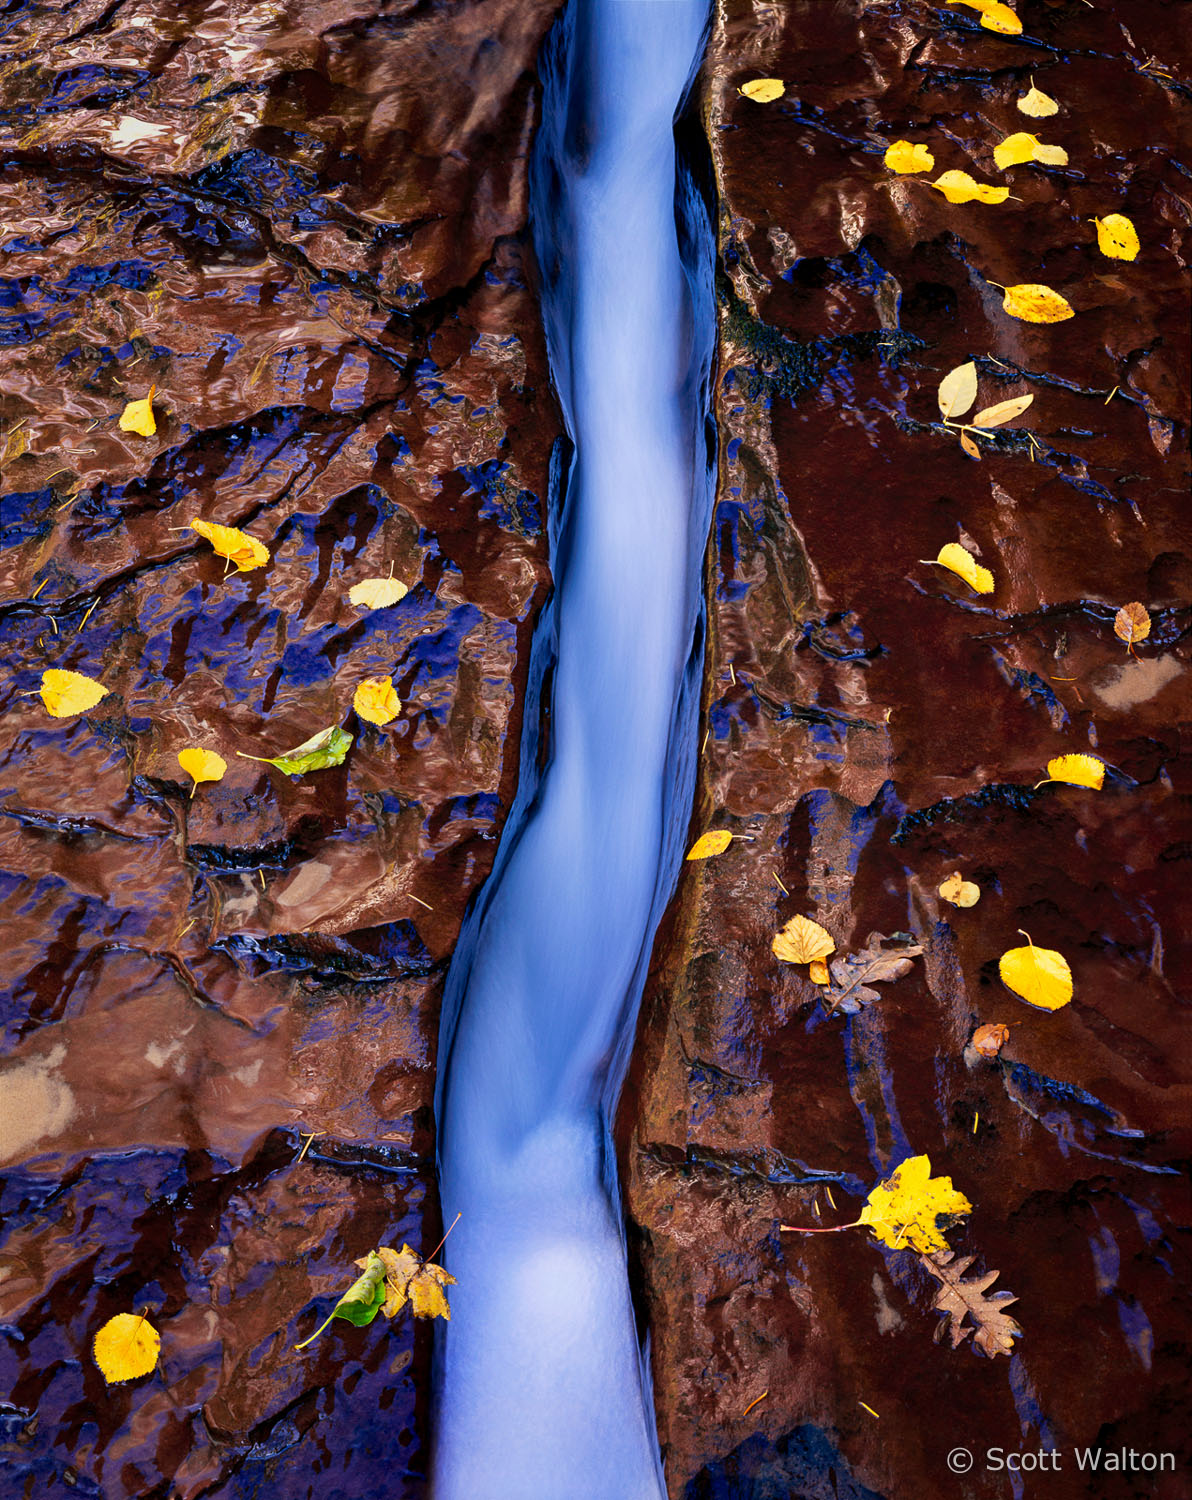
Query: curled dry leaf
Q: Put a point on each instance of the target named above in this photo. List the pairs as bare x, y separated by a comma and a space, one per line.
377, 593
958, 390
763, 90
802, 941
1079, 770
903, 157
1036, 103
68, 693
1032, 303
960, 560
959, 187
201, 765
376, 701
995, 16
138, 416
960, 1296
1117, 237
907, 1208
708, 844
1022, 146
236, 545
988, 1040
1040, 976
126, 1347
1002, 412
1132, 623
960, 892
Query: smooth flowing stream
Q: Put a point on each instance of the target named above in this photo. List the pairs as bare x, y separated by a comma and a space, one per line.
541, 1392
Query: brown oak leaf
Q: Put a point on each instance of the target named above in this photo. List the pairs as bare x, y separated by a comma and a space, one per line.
959, 1297
854, 974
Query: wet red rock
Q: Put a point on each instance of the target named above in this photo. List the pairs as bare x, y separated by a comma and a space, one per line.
874, 726
305, 227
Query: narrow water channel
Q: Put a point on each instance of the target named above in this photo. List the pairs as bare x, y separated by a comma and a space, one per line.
542, 1392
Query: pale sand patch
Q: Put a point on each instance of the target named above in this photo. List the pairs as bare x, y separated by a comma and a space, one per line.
35, 1104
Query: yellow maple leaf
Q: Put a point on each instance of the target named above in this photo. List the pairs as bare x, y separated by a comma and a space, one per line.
68, 693
1117, 237
1032, 303
907, 1207
1022, 146
138, 416
1036, 103
1079, 770
960, 560
126, 1347
236, 545
201, 765
1132, 623
377, 593
714, 842
376, 701
903, 157
802, 941
409, 1278
763, 90
959, 187
960, 892
1040, 976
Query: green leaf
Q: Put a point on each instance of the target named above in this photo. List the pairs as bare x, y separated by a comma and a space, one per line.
327, 748
362, 1301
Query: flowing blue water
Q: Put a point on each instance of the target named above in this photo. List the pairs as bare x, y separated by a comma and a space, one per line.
541, 1392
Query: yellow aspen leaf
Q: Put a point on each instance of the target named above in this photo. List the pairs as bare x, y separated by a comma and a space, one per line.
201, 765
1032, 303
715, 842
763, 90
995, 16
959, 187
958, 390
376, 701
1079, 770
377, 593
1036, 103
138, 416
1132, 623
817, 972
1040, 976
126, 1347
1004, 411
907, 1208
1117, 237
988, 1040
236, 545
68, 693
960, 892
960, 560
802, 941
969, 446
903, 157
1051, 156
1022, 146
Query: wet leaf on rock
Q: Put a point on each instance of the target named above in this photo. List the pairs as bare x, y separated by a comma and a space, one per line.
1077, 770
376, 700
377, 593
1036, 103
126, 1347
907, 1207
817, 972
1002, 412
988, 1040
854, 974
904, 157
1030, 302
409, 1278
1132, 623
327, 748
960, 892
960, 560
802, 941
763, 90
236, 545
960, 1297
138, 416
68, 693
361, 1302
1023, 146
995, 16
958, 390
1117, 237
708, 844
201, 765
960, 187
1040, 976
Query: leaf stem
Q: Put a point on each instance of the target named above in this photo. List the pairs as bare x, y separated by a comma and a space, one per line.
833, 1229
443, 1241
317, 1331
